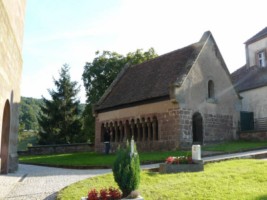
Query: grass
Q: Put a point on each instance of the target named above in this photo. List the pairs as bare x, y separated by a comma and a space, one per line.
235, 146
92, 159
235, 179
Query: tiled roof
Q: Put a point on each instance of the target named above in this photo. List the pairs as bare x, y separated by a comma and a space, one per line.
259, 35
152, 79
247, 78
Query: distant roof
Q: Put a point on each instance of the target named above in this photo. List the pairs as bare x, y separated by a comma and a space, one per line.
151, 80
259, 35
247, 78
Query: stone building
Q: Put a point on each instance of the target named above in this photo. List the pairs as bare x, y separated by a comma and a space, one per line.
177, 99
251, 82
11, 35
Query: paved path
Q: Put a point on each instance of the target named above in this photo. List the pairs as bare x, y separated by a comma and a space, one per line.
38, 183
249, 154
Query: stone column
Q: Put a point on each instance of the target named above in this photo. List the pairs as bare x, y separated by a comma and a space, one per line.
139, 128
149, 130
121, 132
144, 130
116, 134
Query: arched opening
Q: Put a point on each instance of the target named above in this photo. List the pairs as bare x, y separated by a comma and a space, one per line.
197, 127
211, 93
5, 138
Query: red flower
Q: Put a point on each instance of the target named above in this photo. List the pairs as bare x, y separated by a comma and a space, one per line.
104, 194
93, 195
114, 193
179, 160
170, 160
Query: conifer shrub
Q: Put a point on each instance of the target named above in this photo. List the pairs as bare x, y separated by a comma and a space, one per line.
126, 170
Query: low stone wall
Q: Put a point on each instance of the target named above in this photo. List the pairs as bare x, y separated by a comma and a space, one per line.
253, 135
55, 149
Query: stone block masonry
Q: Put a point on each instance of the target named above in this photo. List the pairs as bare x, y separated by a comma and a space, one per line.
152, 132
218, 128
253, 135
185, 128
11, 35
58, 149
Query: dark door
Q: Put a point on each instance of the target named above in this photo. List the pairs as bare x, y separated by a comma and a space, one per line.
246, 121
5, 139
197, 129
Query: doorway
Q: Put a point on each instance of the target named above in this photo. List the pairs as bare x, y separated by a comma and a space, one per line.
5, 138
197, 129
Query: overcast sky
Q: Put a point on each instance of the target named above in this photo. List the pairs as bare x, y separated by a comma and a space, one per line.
71, 31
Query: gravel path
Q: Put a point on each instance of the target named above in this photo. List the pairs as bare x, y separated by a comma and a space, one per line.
36, 183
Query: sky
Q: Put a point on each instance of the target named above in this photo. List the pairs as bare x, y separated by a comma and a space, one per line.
58, 32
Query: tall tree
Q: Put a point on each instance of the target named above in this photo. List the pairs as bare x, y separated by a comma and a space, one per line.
99, 74
59, 120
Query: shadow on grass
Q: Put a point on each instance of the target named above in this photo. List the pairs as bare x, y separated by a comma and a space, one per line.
152, 172
263, 197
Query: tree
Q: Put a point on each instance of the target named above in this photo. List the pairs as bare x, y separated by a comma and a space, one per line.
59, 120
28, 113
99, 74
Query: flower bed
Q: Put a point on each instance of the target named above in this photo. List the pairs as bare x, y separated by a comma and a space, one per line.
107, 194
180, 164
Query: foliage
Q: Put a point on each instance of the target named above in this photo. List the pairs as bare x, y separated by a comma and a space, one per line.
99, 75
28, 113
92, 159
59, 119
234, 179
126, 170
104, 194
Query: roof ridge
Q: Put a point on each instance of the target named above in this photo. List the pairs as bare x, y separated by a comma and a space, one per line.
258, 35
165, 54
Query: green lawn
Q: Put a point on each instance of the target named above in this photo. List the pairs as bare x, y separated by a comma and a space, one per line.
93, 159
236, 146
235, 179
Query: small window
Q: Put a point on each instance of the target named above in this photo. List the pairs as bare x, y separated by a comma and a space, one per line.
261, 59
211, 94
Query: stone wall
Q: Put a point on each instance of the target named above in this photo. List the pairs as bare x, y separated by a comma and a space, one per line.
163, 137
11, 35
217, 128
56, 149
253, 135
185, 128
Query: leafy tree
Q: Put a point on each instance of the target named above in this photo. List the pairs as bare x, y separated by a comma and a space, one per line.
99, 74
28, 113
59, 119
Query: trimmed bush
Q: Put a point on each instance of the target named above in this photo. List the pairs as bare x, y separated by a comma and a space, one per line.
126, 170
